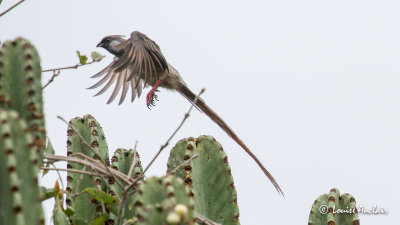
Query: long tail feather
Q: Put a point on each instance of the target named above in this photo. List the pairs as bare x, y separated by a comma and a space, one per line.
185, 91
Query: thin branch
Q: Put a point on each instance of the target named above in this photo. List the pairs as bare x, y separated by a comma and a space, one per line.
55, 74
79, 135
12, 7
125, 196
74, 195
182, 164
97, 162
70, 67
204, 220
71, 170
57, 71
103, 206
59, 176
90, 159
133, 164
94, 166
176, 131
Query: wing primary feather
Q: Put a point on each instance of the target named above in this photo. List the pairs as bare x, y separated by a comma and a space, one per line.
125, 87
145, 61
136, 81
133, 68
113, 77
139, 87
133, 91
139, 64
153, 71
103, 71
104, 79
118, 85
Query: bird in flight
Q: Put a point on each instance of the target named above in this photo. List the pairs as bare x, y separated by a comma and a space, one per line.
138, 62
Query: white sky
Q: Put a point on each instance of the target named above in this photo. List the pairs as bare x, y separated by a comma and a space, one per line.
312, 87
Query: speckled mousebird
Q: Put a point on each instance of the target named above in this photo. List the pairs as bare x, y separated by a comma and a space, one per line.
139, 62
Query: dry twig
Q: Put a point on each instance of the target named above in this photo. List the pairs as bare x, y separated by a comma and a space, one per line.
95, 166
72, 170
59, 176
12, 7
176, 130
182, 164
57, 71
204, 220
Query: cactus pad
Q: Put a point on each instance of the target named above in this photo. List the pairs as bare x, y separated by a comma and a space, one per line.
20, 199
87, 208
326, 208
122, 161
209, 176
21, 88
159, 201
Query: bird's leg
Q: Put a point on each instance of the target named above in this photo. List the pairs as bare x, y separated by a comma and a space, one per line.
152, 94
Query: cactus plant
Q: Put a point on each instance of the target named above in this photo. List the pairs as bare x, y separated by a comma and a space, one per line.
334, 208
20, 199
122, 161
164, 200
86, 207
20, 86
209, 177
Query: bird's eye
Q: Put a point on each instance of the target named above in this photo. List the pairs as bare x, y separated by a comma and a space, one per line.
107, 40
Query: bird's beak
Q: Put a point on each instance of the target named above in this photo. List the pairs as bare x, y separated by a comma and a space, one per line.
99, 44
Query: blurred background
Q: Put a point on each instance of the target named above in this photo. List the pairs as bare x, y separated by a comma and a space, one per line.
312, 87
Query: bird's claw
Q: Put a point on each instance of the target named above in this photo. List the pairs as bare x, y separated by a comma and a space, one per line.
152, 98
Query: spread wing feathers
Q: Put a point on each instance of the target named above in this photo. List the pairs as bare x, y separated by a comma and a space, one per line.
122, 82
105, 70
143, 56
140, 64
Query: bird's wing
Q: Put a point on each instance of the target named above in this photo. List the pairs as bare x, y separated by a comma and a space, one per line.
143, 56
141, 63
110, 76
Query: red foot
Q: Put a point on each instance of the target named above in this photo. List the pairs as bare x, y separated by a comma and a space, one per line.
151, 96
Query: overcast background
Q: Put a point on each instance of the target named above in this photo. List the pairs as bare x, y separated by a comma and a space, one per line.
312, 87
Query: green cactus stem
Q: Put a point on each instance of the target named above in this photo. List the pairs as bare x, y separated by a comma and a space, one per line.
20, 195
209, 177
86, 207
122, 161
333, 208
21, 88
164, 200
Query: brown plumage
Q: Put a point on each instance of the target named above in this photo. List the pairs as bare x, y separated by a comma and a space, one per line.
139, 62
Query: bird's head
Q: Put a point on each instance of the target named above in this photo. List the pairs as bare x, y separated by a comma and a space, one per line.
109, 43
